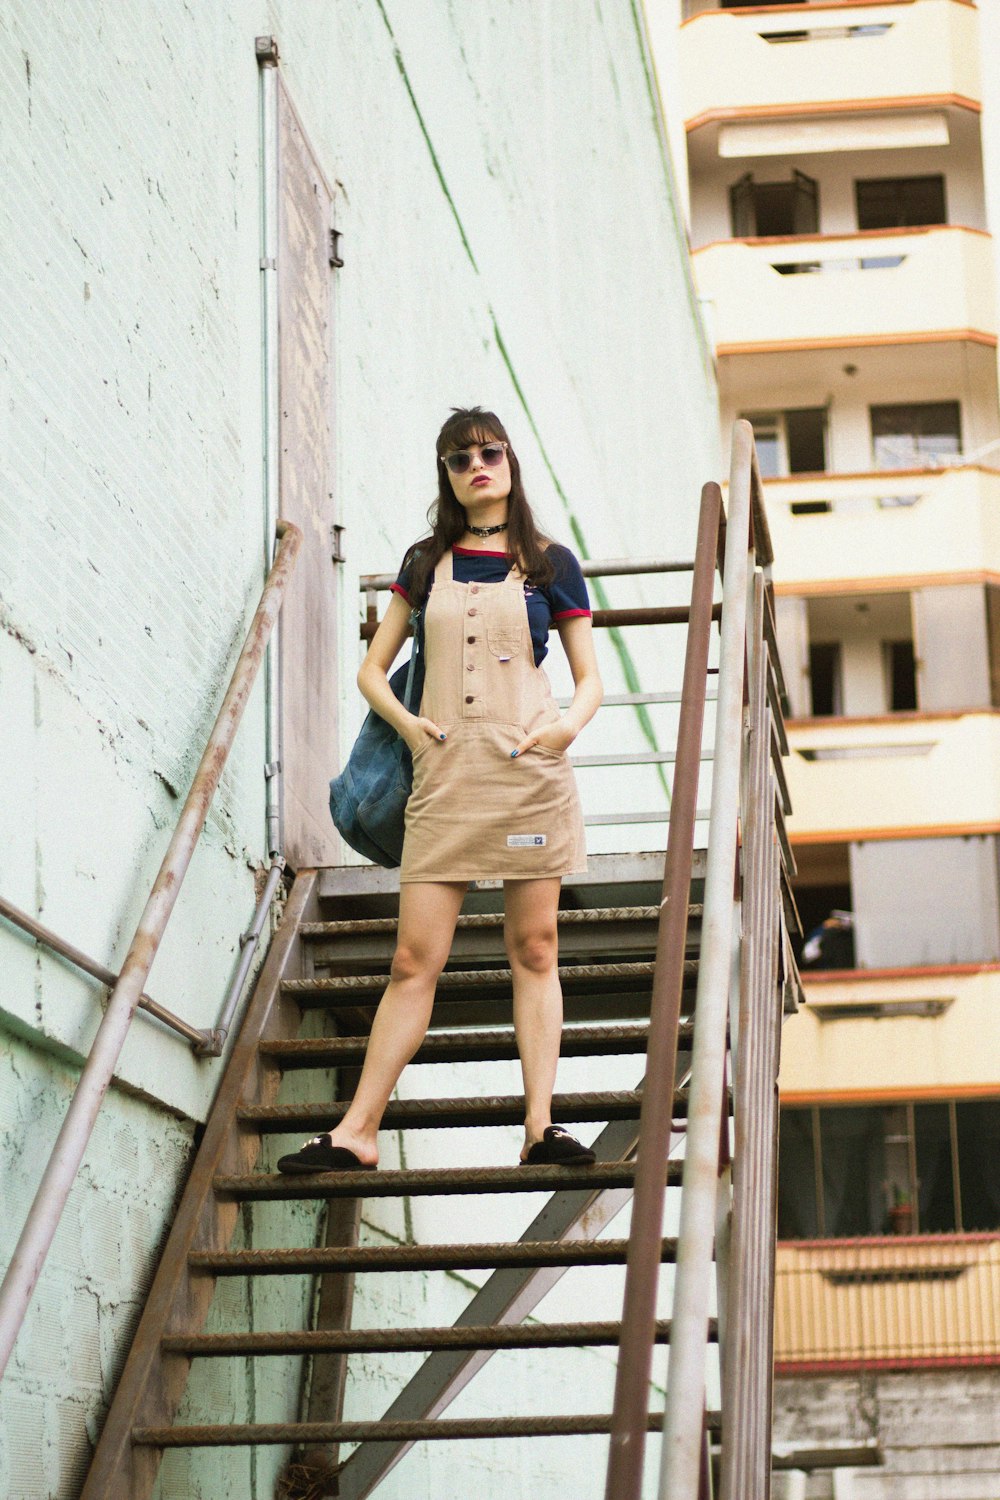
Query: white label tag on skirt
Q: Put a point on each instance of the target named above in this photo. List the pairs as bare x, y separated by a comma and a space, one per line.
526, 840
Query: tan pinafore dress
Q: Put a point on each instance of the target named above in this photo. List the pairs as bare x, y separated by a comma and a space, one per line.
474, 813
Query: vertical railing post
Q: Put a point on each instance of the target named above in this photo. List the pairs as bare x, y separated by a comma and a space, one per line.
631, 1407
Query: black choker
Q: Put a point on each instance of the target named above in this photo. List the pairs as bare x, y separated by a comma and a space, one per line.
488, 530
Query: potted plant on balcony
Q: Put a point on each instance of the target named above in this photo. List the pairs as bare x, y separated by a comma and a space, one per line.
901, 1216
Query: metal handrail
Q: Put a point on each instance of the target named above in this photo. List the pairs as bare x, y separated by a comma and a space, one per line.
43, 934
681, 1452
706, 1202
67, 1154
628, 1435
610, 567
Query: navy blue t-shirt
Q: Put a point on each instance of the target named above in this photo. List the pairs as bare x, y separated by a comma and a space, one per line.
562, 599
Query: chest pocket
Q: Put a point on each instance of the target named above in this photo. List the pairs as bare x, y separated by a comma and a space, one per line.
505, 628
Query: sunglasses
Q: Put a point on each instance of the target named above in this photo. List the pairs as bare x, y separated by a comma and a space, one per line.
461, 461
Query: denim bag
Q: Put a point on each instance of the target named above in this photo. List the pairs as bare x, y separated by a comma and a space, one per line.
368, 799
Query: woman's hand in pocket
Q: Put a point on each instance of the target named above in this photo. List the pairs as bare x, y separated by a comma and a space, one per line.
555, 737
419, 733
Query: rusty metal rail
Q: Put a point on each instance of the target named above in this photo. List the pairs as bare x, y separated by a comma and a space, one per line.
248, 1434
448, 1114
625, 1462
81, 960
414, 1182
498, 1045
404, 1340
64, 1163
477, 1257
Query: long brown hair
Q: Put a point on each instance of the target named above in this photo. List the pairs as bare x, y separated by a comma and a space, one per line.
448, 520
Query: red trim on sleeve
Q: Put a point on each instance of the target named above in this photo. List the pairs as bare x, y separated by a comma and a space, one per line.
573, 614
397, 588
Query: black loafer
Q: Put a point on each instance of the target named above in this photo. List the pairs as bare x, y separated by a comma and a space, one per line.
558, 1148
320, 1155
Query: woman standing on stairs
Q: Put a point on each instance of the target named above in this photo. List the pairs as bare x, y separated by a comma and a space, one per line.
493, 790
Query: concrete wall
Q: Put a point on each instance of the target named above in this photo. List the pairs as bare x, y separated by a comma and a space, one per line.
938, 1433
510, 238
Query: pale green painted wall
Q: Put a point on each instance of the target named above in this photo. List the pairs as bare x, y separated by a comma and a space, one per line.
509, 238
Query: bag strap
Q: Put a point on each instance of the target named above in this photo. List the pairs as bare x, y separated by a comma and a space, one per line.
415, 620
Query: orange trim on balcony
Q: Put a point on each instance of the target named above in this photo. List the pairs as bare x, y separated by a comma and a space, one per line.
821, 588
860, 341
811, 5
928, 1093
901, 971
832, 476
893, 1241
896, 716
817, 108
799, 1367
910, 831
852, 234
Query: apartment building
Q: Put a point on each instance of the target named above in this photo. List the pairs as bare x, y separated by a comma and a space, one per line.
840, 163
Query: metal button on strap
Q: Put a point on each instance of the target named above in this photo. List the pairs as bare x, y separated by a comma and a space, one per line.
474, 589
473, 610
471, 639
471, 667
470, 700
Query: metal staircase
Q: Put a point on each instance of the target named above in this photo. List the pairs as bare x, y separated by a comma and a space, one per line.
687, 972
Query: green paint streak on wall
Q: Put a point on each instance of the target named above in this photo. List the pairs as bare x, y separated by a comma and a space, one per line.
629, 670
426, 135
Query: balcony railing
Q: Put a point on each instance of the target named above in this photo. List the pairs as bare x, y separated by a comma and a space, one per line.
817, 57
902, 1302
845, 526
805, 292
895, 771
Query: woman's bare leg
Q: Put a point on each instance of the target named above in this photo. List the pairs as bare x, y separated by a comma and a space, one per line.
531, 936
427, 916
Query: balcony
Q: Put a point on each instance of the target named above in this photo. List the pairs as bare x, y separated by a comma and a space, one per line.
910, 287
863, 777
851, 526
894, 1302
804, 60
911, 1031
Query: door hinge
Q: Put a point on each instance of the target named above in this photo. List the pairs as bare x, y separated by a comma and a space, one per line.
335, 259
337, 544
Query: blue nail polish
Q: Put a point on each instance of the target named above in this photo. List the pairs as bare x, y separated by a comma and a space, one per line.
513, 753
442, 736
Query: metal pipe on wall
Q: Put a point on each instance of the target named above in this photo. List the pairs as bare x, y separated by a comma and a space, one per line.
267, 60
67, 1154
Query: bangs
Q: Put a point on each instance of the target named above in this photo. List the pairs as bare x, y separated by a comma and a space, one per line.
470, 427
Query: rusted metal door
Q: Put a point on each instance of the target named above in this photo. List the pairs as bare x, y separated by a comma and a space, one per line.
309, 659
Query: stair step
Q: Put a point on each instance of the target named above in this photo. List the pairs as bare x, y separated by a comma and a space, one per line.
497, 1045
403, 1340
439, 1428
600, 932
493, 920
419, 1182
577, 979
477, 1257
431, 1114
